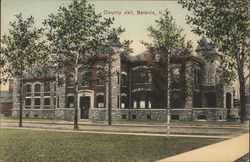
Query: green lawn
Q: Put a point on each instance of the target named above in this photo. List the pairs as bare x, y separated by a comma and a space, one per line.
31, 145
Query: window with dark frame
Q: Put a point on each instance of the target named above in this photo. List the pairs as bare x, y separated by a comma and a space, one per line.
28, 101
46, 101
70, 101
99, 80
86, 79
37, 101
124, 81
37, 88
100, 101
28, 88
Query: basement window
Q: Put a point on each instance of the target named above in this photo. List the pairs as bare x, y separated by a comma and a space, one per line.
202, 117
175, 117
149, 117
124, 116
35, 115
133, 116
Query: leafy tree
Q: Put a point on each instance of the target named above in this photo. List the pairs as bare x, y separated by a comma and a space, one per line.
227, 25
77, 34
22, 50
168, 40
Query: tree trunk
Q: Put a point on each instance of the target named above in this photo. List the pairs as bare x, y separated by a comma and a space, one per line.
242, 102
21, 103
75, 100
110, 91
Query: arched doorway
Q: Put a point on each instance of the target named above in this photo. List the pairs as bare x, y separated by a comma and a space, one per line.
85, 102
228, 102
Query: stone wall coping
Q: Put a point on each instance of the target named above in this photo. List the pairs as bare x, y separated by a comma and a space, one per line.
209, 108
32, 109
143, 109
65, 108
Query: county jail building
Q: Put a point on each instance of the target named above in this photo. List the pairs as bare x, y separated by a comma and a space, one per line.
133, 94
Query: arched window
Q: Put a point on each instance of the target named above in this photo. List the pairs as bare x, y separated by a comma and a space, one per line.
141, 75
28, 88
124, 80
100, 79
70, 80
86, 76
37, 88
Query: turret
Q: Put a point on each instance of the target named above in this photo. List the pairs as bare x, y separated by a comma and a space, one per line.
210, 77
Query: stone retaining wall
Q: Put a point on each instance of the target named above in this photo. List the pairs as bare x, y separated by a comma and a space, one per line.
101, 114
65, 113
35, 113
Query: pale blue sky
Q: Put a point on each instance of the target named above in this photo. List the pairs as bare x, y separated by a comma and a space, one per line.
135, 25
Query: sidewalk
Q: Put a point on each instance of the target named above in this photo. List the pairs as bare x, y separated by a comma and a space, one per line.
225, 151
136, 129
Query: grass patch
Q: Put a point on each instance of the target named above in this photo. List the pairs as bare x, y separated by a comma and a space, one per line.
31, 145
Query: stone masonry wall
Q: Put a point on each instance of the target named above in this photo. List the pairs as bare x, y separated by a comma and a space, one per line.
101, 114
36, 113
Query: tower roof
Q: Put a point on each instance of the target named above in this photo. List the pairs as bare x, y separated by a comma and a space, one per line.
204, 45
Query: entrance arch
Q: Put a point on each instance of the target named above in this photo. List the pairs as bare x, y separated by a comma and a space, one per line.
85, 102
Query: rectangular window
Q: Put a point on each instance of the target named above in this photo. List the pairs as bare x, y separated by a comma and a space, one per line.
118, 101
122, 105
37, 101
135, 104
100, 79
124, 116
133, 116
149, 105
70, 101
142, 104
118, 78
54, 100
46, 101
28, 101
100, 101
86, 78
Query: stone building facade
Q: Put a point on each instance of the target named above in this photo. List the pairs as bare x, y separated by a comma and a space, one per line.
133, 94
